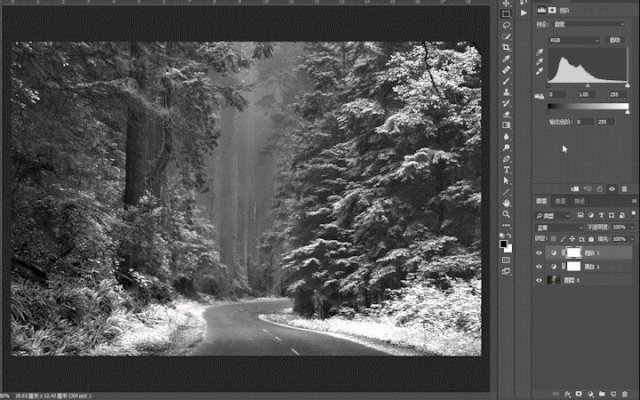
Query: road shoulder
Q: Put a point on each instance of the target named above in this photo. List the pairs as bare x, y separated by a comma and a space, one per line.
379, 345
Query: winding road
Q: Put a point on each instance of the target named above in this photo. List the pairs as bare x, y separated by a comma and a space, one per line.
236, 330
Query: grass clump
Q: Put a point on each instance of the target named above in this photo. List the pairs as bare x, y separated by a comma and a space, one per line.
63, 318
88, 317
156, 330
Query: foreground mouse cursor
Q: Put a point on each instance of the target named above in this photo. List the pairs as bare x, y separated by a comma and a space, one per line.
564, 149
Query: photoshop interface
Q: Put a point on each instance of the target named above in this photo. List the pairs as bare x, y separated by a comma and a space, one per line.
556, 113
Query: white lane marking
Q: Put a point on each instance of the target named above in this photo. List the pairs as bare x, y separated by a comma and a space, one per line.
278, 339
294, 350
336, 335
266, 330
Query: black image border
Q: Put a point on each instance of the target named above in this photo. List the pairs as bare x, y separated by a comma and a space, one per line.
247, 374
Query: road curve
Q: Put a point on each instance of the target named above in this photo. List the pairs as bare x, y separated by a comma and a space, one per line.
236, 330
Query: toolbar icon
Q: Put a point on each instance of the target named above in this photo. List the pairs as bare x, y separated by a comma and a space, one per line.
506, 246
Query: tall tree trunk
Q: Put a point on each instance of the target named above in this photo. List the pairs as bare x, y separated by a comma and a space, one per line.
228, 195
157, 176
241, 195
277, 275
135, 156
247, 162
245, 247
136, 120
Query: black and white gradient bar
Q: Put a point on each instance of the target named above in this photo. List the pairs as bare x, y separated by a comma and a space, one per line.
588, 106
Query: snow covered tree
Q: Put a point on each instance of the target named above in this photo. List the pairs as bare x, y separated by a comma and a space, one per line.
385, 173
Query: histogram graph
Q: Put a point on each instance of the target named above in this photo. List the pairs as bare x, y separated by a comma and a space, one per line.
588, 65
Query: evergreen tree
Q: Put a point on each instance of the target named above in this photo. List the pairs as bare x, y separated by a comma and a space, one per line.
99, 125
385, 176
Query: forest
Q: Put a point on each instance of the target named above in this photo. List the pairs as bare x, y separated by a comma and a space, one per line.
343, 175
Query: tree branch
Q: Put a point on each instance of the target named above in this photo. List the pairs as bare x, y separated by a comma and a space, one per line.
426, 62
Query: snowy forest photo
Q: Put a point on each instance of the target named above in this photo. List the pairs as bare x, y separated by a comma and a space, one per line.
245, 198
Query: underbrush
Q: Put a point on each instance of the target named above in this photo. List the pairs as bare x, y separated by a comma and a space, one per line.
420, 317
422, 304
157, 330
85, 317
62, 319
